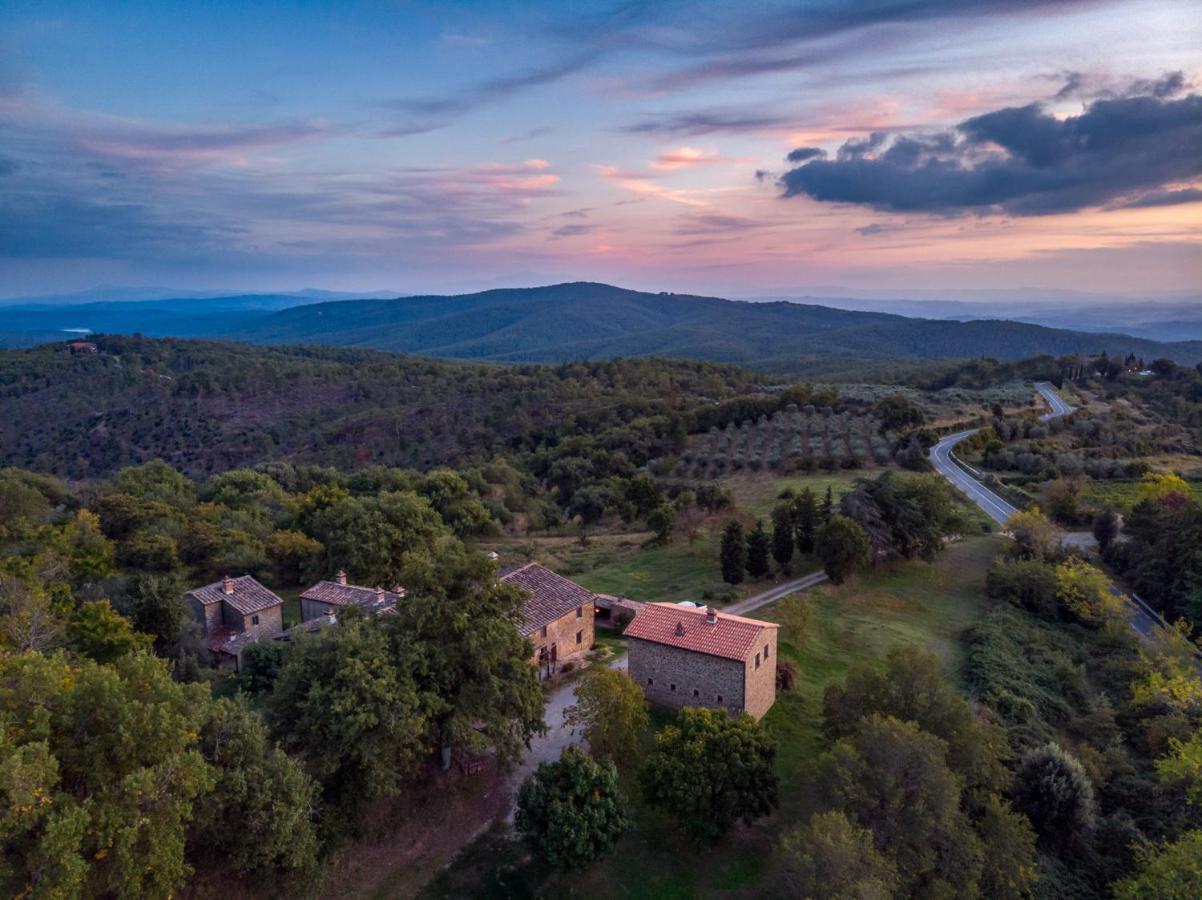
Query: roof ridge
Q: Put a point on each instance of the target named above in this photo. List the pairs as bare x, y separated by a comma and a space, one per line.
701, 611
523, 567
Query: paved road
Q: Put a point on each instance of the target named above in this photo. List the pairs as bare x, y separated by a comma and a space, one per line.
946, 465
1054, 400
1143, 619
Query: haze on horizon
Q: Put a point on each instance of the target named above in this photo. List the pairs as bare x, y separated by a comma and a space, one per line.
737, 149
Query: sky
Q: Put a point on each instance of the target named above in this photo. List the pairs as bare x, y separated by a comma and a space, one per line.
725, 148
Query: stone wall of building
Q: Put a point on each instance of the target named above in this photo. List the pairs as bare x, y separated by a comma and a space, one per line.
761, 680
673, 677
209, 616
271, 620
562, 634
314, 609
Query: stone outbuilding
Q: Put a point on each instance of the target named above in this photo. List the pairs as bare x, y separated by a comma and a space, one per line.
557, 616
687, 656
328, 598
234, 613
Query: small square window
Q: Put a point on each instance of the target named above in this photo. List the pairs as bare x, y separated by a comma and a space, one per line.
696, 693
672, 688
579, 612
757, 660
719, 698
650, 681
579, 635
254, 620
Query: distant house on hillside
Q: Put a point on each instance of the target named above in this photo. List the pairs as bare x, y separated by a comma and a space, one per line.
327, 598
234, 613
557, 615
683, 656
81, 347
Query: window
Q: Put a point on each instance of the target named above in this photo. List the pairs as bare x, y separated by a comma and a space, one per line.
672, 688
757, 660
579, 612
254, 620
719, 698
696, 693
765, 651
650, 681
579, 635
543, 633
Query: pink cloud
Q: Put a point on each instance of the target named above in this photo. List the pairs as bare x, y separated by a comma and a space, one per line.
643, 186
688, 157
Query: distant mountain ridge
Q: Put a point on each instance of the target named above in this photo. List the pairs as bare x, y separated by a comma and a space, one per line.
586, 320
576, 321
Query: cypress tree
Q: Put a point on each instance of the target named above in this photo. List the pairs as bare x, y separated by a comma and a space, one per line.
758, 547
733, 553
782, 534
805, 520
828, 506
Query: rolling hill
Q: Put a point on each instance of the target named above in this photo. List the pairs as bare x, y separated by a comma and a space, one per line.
577, 321
566, 322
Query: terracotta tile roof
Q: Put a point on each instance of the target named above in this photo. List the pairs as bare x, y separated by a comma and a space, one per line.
247, 595
729, 636
333, 593
551, 596
228, 641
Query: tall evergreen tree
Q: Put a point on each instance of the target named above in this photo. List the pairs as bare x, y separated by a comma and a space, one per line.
828, 505
782, 534
734, 553
758, 547
805, 520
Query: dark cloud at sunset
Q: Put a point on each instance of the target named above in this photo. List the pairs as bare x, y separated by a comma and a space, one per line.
411, 147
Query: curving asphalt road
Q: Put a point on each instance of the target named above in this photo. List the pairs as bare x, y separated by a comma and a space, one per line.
1054, 400
949, 467
1143, 618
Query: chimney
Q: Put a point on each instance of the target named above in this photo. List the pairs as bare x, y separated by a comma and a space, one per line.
379, 594
399, 590
711, 616
341, 576
680, 629
227, 585
330, 617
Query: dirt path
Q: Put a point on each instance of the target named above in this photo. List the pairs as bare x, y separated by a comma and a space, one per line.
547, 747
784, 589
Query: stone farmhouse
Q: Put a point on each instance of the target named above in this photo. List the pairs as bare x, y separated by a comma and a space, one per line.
557, 616
327, 598
685, 656
234, 613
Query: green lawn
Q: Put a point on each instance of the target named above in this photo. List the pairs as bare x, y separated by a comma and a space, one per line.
292, 607
904, 604
901, 604
759, 493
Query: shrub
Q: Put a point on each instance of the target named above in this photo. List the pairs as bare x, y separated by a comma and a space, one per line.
1053, 790
571, 811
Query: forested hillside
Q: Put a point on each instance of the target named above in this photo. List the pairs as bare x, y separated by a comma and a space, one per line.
208, 407
567, 322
